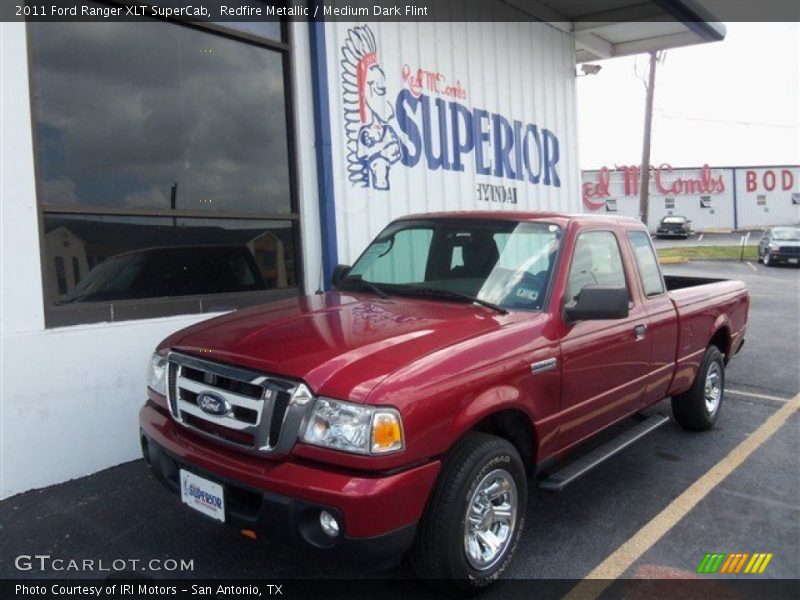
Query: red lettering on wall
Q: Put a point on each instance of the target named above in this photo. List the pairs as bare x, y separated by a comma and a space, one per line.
710, 185
421, 79
787, 179
662, 189
599, 190
707, 184
631, 175
750, 181
769, 180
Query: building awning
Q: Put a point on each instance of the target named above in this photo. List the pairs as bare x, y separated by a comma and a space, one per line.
614, 28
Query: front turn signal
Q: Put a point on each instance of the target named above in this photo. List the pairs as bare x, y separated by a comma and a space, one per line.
387, 432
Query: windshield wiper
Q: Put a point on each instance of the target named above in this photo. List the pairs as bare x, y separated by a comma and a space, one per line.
364, 285
434, 292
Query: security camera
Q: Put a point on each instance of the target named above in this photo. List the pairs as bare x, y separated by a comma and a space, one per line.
591, 69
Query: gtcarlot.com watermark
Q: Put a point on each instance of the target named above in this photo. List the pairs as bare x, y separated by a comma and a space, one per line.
49, 563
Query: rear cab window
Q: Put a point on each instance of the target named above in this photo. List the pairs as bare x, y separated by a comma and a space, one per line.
647, 263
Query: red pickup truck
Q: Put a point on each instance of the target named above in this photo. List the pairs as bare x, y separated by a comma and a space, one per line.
461, 354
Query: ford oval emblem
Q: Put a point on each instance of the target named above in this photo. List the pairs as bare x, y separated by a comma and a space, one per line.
212, 404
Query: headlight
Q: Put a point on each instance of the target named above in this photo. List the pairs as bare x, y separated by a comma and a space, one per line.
774, 247
354, 427
157, 374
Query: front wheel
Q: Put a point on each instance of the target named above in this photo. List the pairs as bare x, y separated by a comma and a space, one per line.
475, 516
767, 262
698, 408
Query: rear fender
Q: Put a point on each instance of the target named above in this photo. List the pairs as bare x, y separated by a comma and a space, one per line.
722, 323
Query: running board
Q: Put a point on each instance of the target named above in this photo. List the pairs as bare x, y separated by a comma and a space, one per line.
559, 479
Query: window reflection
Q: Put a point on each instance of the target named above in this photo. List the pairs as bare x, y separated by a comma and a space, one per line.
125, 258
159, 116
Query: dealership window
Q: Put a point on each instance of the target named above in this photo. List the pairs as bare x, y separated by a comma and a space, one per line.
164, 165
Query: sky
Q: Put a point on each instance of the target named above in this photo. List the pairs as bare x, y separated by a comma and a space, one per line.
729, 103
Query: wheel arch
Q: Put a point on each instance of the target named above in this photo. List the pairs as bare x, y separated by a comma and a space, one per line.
512, 424
722, 339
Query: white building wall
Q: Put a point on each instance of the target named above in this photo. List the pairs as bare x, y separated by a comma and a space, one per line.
69, 396
739, 196
522, 71
307, 194
768, 196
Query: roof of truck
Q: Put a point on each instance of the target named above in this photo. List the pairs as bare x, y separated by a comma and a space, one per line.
505, 215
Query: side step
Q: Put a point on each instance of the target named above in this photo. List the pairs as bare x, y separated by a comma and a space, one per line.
559, 479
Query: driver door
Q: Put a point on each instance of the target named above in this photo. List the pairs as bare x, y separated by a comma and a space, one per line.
604, 362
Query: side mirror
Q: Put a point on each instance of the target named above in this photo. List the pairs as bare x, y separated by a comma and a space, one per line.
596, 302
339, 273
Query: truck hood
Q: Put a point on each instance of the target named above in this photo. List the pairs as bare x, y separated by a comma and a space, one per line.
341, 344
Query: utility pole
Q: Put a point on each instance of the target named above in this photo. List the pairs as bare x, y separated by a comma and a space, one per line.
644, 189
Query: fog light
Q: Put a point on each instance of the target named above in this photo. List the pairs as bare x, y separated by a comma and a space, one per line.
329, 524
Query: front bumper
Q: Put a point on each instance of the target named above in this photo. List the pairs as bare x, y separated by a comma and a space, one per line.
281, 501
779, 256
671, 233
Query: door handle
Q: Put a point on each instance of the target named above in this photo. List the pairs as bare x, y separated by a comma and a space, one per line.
544, 365
639, 332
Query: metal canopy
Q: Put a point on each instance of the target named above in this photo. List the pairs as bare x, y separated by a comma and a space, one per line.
615, 28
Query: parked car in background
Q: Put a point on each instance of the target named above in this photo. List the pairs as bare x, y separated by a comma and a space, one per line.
780, 245
674, 226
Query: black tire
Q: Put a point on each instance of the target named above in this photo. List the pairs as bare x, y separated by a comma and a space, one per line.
767, 262
439, 553
690, 409
758, 257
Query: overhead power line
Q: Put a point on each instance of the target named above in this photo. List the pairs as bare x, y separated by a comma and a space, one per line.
725, 121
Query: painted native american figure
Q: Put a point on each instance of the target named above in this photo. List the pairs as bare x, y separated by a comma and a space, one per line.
372, 143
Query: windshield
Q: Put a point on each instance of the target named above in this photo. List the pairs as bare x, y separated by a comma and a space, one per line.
673, 220
786, 234
508, 264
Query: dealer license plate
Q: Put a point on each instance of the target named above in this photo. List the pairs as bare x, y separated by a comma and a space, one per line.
794, 261
203, 495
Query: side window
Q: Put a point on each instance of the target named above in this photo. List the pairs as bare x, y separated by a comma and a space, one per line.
595, 260
647, 263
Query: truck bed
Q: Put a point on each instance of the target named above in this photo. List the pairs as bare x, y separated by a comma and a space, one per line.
679, 282
704, 306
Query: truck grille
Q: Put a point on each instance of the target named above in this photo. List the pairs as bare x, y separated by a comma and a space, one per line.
248, 409
789, 250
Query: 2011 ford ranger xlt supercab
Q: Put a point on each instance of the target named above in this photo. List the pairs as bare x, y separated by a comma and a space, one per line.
459, 355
